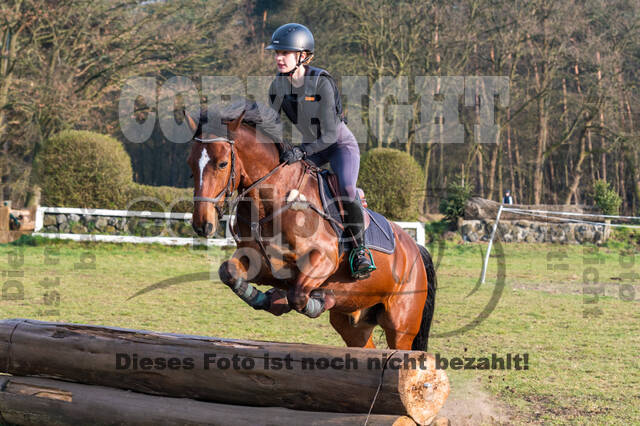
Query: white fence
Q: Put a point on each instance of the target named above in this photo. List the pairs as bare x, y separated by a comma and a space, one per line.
556, 215
415, 229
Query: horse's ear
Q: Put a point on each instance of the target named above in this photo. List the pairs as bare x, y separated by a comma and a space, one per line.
193, 126
233, 125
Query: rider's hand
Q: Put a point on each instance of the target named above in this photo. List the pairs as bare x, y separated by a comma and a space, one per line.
292, 155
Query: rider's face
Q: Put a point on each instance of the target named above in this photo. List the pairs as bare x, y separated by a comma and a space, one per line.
285, 60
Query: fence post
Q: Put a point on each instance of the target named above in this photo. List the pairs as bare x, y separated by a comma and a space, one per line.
4, 218
486, 258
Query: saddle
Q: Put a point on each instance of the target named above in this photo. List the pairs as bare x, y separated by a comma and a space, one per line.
334, 190
378, 235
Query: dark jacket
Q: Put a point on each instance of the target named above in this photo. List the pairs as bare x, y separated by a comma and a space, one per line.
314, 108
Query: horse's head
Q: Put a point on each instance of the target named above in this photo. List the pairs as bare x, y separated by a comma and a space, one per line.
213, 161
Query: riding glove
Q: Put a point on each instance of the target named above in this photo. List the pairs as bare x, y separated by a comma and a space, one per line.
292, 155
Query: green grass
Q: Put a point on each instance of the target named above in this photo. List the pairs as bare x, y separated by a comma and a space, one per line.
581, 369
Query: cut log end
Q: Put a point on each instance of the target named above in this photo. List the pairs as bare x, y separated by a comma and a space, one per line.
423, 391
404, 421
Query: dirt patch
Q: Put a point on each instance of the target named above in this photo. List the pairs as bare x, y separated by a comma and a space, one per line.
566, 410
470, 404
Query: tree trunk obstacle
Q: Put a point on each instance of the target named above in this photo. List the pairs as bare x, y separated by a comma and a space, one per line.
478, 208
32, 400
265, 381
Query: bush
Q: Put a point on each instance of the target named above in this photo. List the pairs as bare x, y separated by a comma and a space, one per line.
606, 198
83, 169
434, 231
393, 183
452, 206
159, 198
626, 238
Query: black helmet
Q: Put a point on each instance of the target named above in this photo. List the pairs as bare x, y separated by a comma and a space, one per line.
292, 37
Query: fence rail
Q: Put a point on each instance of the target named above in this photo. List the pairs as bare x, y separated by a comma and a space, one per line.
415, 229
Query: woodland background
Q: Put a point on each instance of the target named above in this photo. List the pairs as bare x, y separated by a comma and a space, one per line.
572, 117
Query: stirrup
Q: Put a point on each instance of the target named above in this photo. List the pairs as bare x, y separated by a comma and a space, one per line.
361, 273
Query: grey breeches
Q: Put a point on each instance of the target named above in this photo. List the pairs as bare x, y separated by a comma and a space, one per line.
344, 158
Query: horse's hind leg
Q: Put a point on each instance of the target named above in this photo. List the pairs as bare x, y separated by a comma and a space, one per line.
358, 335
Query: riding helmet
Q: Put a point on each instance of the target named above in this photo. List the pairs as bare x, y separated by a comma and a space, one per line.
292, 37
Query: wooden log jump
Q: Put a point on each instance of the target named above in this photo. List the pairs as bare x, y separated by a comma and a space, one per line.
37, 401
228, 371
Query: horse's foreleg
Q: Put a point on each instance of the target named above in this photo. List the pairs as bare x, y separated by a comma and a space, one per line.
314, 271
358, 335
234, 274
402, 317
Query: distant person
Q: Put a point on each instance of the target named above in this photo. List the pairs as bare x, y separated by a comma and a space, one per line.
507, 199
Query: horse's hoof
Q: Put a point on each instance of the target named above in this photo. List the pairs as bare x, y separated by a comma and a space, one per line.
225, 274
279, 303
329, 302
327, 297
297, 301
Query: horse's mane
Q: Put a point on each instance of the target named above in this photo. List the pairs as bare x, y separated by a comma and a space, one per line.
256, 114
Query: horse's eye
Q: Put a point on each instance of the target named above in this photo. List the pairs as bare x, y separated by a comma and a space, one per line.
223, 164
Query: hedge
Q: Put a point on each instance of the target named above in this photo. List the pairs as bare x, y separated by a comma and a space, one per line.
393, 183
89, 170
159, 198
83, 169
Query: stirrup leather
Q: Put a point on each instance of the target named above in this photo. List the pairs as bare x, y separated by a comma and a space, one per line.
361, 273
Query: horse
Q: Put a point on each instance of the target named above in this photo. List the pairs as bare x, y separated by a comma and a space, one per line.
303, 264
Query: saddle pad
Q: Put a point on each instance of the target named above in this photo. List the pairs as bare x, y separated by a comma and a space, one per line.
378, 236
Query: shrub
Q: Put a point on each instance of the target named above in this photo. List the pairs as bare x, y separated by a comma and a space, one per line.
83, 169
606, 198
159, 198
393, 183
452, 206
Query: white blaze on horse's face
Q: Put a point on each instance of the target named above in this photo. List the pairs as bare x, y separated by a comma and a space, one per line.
204, 160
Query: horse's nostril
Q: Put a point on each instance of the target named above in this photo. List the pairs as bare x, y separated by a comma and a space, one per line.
199, 229
208, 228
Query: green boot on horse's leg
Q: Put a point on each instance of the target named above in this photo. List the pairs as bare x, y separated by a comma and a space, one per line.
360, 258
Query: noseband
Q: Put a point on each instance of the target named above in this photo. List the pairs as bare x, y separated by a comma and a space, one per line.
229, 188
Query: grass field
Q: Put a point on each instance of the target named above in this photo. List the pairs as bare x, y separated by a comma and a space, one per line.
583, 363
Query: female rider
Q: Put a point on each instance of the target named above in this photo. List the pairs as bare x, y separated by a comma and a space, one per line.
310, 99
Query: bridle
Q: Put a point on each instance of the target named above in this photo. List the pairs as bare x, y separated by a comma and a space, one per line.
231, 181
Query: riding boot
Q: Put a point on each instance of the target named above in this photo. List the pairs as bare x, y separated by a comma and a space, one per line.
360, 259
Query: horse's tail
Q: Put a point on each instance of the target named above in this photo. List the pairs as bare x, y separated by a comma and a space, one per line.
421, 340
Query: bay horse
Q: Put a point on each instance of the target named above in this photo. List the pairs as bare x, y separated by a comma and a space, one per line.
303, 264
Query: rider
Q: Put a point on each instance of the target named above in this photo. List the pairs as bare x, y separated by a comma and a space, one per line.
310, 99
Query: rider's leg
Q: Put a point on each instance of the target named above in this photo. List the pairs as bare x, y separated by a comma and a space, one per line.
320, 158
345, 162
361, 263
